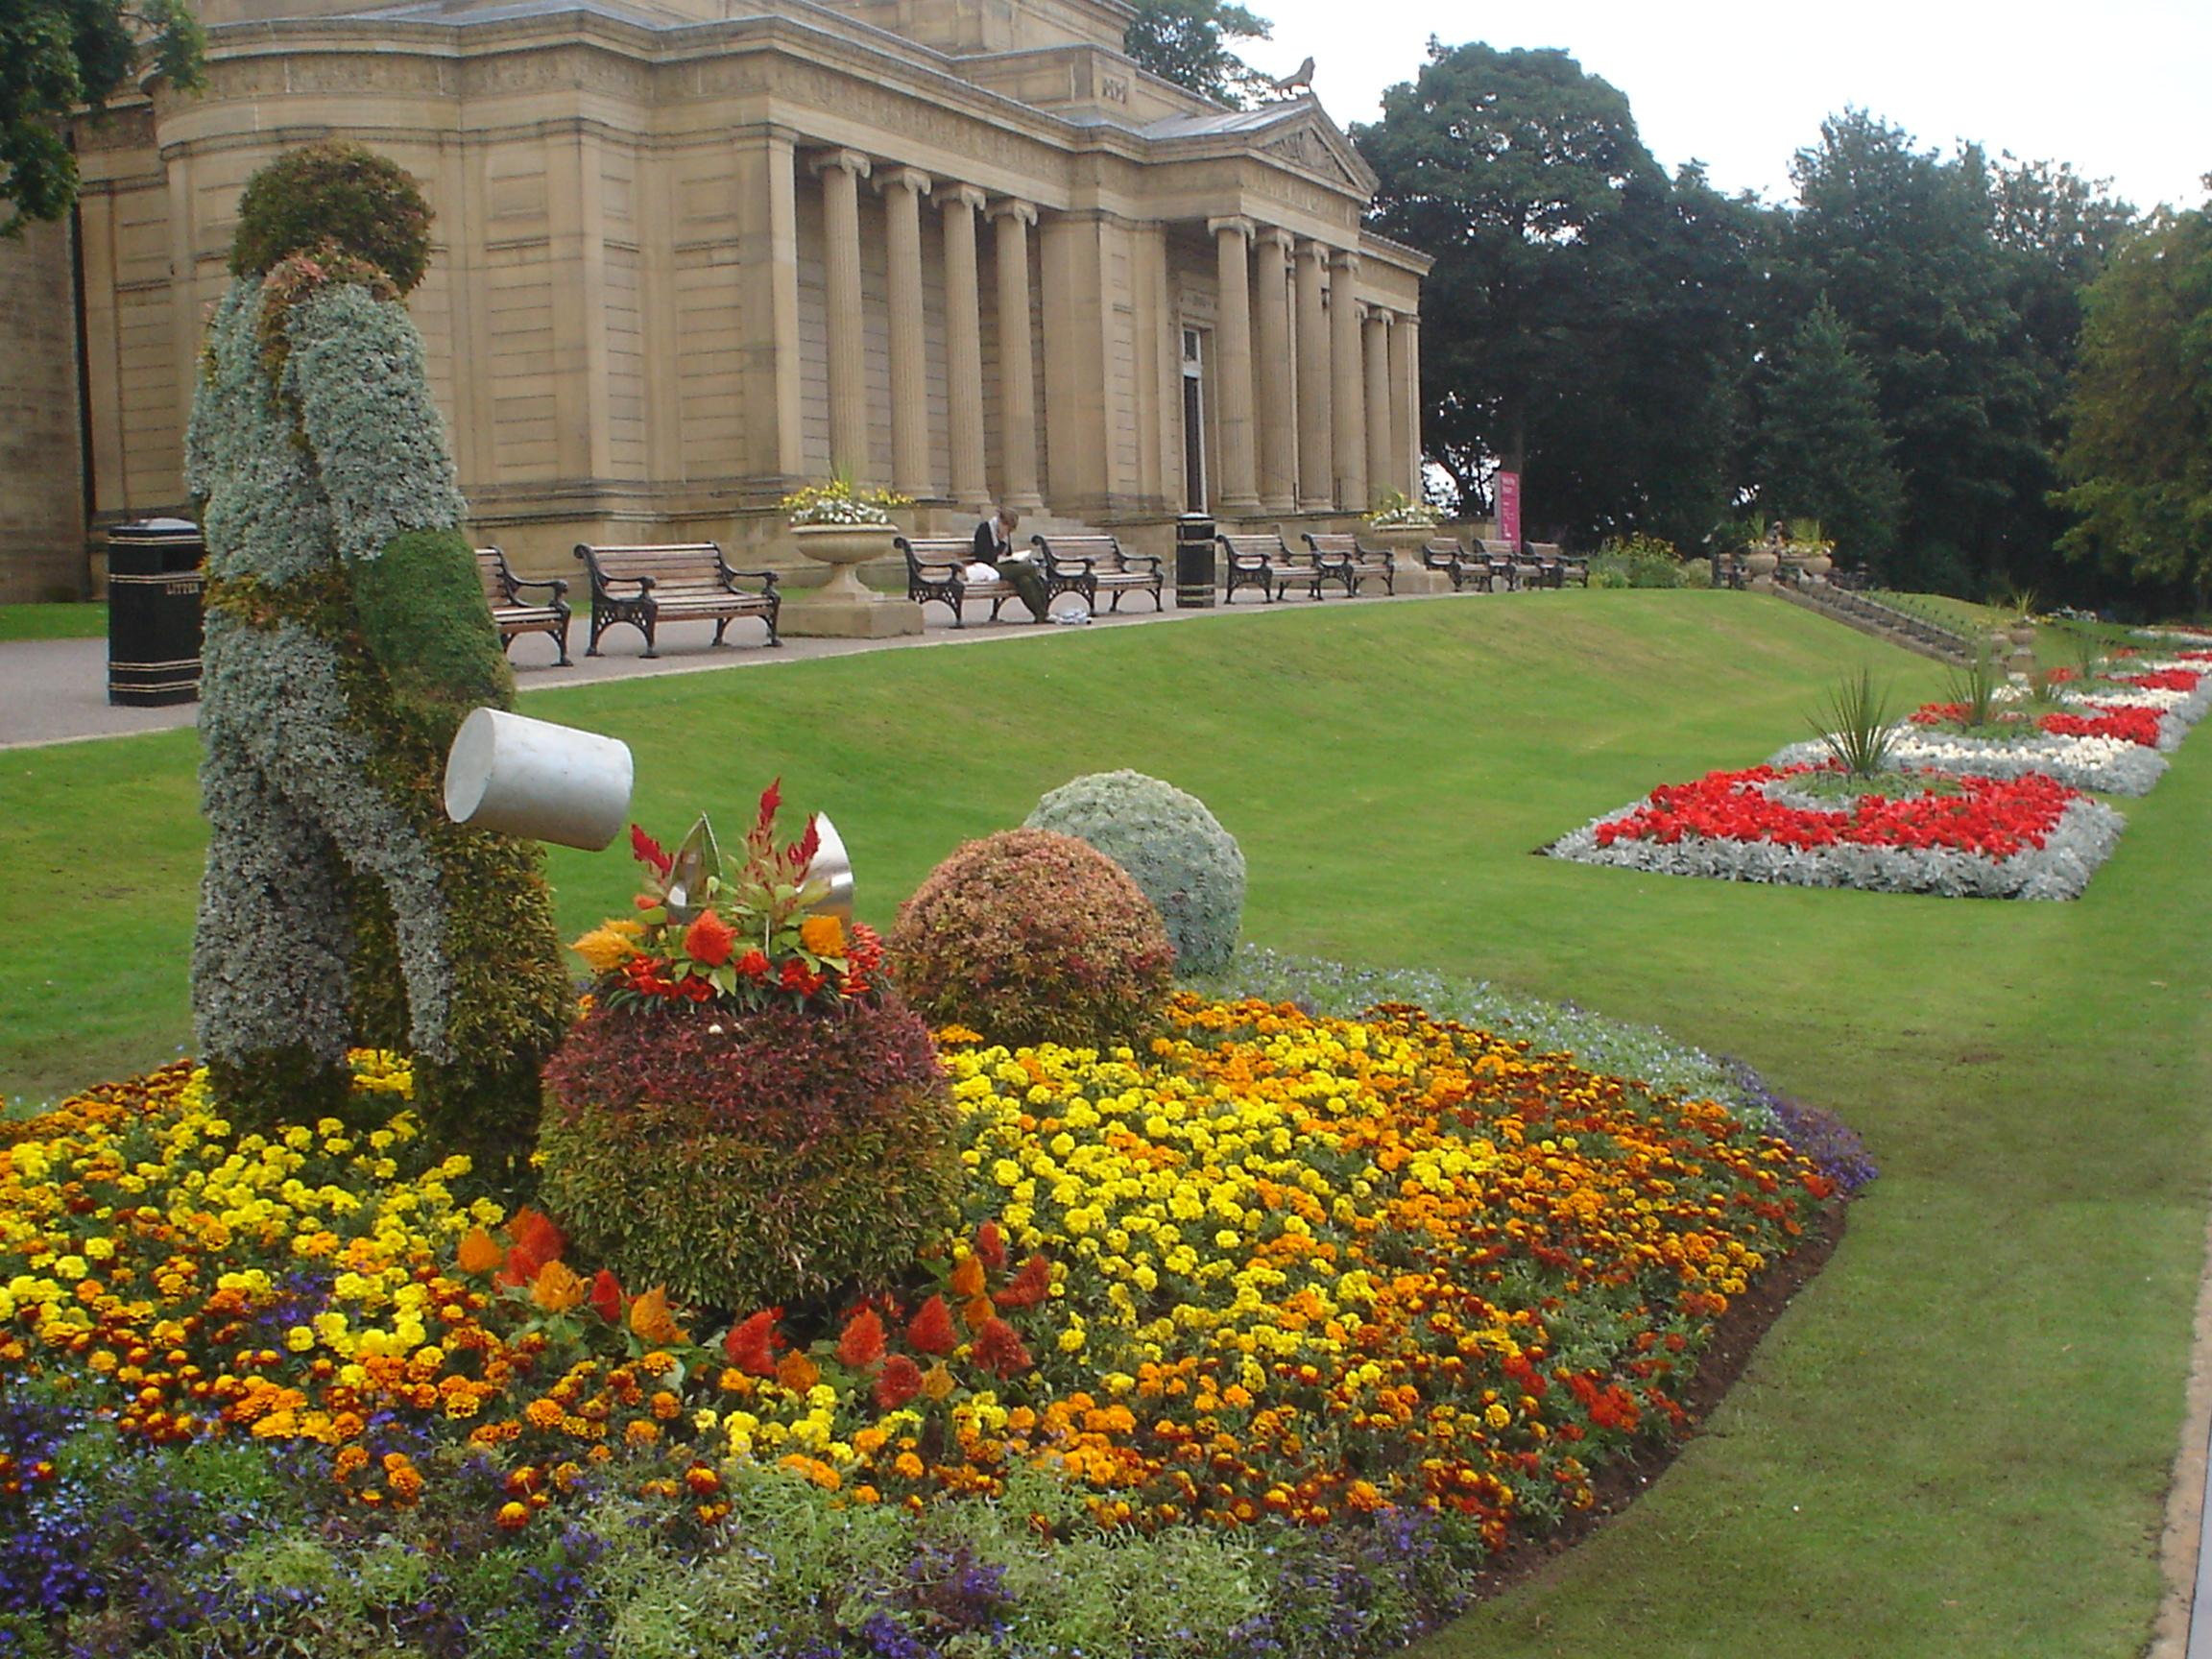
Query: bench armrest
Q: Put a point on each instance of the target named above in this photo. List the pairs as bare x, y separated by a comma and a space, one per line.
558, 583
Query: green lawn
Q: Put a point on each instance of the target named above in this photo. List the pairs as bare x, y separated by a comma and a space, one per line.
53, 622
1956, 1443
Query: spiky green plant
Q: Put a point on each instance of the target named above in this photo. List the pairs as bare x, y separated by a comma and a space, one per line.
1974, 688
1854, 723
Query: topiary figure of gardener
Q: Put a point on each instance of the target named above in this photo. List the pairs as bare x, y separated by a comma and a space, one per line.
346, 637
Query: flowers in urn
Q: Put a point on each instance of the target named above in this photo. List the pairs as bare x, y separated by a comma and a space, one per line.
748, 932
839, 502
1396, 511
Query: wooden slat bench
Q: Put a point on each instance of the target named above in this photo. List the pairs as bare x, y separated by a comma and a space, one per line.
937, 567
1359, 563
1096, 565
1466, 569
681, 582
1267, 562
1508, 564
515, 615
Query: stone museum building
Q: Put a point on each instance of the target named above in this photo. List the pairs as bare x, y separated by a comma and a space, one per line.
689, 255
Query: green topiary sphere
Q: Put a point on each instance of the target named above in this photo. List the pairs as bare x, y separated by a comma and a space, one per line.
334, 192
1172, 848
749, 1160
1030, 936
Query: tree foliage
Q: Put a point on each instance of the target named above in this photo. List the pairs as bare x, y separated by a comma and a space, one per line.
1822, 452
2139, 452
1584, 317
59, 55
1185, 41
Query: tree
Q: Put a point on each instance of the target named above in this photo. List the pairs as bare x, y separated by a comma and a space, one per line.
1904, 245
1822, 452
1582, 323
2139, 452
59, 55
1182, 40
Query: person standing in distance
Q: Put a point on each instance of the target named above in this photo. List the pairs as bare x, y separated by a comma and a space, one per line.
994, 547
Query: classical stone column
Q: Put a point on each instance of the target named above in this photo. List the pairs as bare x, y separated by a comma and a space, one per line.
1317, 469
767, 278
956, 206
1277, 415
1383, 467
1411, 326
1347, 379
841, 172
903, 188
1017, 365
1404, 449
1232, 365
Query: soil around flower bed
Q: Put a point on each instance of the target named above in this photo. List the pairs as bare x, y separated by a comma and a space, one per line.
1736, 1337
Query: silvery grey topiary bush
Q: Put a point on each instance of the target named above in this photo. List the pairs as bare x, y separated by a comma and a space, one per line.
347, 638
1173, 849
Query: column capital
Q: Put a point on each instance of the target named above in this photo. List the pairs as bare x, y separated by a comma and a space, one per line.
1236, 222
1381, 314
904, 178
1344, 259
1274, 235
966, 196
842, 160
1317, 251
1012, 208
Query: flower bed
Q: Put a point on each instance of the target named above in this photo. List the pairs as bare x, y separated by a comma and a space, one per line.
2111, 765
2024, 837
1376, 1297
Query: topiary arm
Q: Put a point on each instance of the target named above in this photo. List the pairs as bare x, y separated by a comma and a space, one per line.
355, 374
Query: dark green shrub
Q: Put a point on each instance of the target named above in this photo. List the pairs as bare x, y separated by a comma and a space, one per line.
336, 192
1173, 849
1030, 936
745, 1160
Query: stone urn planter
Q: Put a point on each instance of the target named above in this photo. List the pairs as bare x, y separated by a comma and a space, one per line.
1761, 562
1404, 543
844, 548
1818, 565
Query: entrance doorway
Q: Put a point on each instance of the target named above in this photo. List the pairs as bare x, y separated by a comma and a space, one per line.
1194, 420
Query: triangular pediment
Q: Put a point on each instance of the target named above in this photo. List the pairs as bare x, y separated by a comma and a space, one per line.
1314, 144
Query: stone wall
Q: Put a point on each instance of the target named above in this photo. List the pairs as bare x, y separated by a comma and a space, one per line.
41, 450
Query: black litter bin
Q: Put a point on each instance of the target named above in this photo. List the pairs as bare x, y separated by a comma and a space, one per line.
1193, 562
154, 583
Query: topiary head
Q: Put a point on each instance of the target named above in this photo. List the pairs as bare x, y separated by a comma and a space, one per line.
1032, 937
334, 197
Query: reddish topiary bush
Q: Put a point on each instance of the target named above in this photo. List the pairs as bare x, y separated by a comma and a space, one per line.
744, 1159
1030, 936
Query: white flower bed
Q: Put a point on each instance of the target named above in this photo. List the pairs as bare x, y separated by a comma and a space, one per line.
2059, 869
2111, 765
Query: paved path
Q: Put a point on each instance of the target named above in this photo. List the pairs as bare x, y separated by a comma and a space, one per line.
56, 690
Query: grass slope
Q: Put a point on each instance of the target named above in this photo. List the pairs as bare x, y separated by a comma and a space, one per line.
53, 622
1957, 1442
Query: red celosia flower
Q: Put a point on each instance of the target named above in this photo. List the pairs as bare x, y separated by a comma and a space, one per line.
534, 1231
931, 1330
862, 1344
710, 939
607, 1297
991, 1246
522, 1267
1030, 1286
998, 1349
647, 851
754, 965
901, 1380
751, 1345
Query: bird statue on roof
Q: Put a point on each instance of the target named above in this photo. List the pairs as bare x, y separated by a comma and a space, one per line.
1299, 80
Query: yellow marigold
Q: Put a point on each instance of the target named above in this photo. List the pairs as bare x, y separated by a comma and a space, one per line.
824, 935
606, 947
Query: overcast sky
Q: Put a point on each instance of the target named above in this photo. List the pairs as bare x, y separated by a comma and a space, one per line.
2122, 89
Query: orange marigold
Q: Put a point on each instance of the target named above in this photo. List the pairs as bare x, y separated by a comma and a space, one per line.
824, 935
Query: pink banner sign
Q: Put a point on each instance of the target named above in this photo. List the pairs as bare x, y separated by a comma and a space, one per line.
1509, 508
